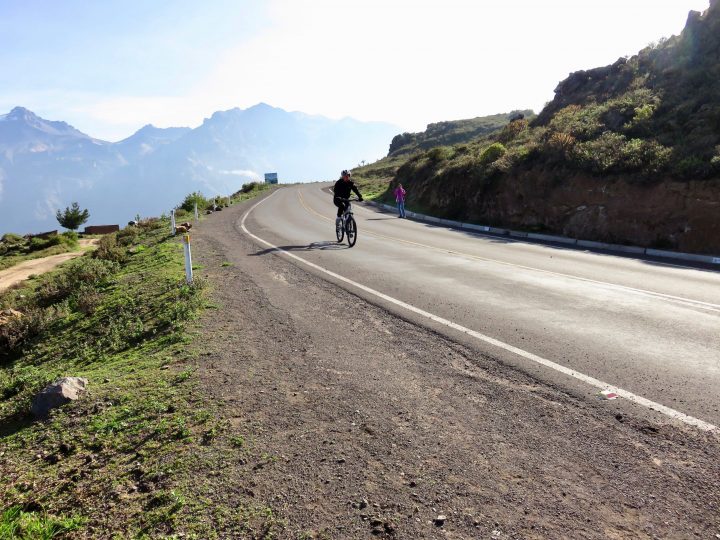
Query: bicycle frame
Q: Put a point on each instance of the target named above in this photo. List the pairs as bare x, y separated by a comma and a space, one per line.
343, 229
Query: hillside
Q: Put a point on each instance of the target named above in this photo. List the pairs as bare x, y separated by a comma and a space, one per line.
46, 165
452, 132
642, 130
374, 177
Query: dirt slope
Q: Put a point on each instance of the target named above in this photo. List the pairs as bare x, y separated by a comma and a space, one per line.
372, 425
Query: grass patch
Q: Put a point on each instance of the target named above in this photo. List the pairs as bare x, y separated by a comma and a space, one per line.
373, 180
15, 249
17, 523
123, 461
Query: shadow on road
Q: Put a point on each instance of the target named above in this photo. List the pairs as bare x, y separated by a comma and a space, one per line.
314, 246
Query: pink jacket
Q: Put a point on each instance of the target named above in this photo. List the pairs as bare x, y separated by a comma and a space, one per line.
399, 194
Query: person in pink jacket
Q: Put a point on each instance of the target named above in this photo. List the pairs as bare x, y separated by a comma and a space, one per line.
400, 200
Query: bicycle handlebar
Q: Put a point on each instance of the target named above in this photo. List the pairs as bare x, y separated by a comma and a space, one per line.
347, 200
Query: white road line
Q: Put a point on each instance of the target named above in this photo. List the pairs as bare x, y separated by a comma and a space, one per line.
707, 306
672, 413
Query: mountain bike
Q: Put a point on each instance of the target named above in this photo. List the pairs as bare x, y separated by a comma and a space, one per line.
347, 227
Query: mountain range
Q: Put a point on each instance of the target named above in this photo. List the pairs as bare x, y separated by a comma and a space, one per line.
45, 165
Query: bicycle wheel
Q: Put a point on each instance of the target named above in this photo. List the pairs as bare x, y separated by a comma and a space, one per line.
351, 231
339, 230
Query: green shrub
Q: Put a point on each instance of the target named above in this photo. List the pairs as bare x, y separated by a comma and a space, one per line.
646, 156
715, 164
127, 236
492, 153
13, 239
109, 250
440, 153
604, 154
252, 186
69, 238
644, 112
84, 271
18, 331
583, 123
692, 167
193, 198
512, 130
37, 243
86, 299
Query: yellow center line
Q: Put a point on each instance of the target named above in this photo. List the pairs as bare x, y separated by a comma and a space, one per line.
703, 305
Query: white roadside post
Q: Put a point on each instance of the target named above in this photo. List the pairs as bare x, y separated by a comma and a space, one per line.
188, 259
172, 222
196, 214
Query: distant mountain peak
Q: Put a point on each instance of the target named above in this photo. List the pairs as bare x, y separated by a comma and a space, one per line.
21, 113
260, 106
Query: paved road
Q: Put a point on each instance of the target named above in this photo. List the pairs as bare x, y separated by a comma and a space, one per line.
649, 328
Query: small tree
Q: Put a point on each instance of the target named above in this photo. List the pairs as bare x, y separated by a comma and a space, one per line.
72, 217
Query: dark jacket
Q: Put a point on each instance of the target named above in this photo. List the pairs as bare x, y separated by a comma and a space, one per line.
342, 189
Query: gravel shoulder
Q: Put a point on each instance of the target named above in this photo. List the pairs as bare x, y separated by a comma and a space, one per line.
373, 425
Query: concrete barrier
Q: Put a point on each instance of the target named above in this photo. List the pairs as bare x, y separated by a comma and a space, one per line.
472, 227
635, 250
611, 247
683, 256
552, 238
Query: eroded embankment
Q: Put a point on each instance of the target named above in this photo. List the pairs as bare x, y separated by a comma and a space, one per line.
673, 215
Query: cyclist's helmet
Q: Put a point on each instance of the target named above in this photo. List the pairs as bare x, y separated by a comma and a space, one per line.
345, 173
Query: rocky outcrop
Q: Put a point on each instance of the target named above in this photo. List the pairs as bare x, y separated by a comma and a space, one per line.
57, 394
684, 216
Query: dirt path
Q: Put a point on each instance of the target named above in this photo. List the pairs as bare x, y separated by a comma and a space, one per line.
20, 272
374, 426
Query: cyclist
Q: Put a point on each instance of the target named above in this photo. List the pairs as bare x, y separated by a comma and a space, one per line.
342, 190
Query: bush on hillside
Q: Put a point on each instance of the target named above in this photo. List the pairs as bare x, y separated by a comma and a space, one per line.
109, 250
440, 153
69, 238
19, 330
646, 156
603, 154
12, 239
188, 204
512, 130
252, 186
492, 153
83, 271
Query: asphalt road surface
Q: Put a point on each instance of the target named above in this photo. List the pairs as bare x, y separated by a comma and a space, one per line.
648, 328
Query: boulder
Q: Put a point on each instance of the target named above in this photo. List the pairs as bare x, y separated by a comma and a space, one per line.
57, 394
8, 315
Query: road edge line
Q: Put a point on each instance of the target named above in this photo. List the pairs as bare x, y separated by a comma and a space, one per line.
647, 403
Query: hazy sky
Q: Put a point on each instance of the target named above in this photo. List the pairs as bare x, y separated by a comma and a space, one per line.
109, 67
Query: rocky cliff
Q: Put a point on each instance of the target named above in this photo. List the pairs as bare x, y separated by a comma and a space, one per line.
627, 153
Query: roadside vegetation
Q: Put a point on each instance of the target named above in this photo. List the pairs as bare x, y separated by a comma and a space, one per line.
247, 191
121, 462
640, 122
15, 249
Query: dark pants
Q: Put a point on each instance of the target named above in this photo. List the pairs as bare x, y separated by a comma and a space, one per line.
342, 206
